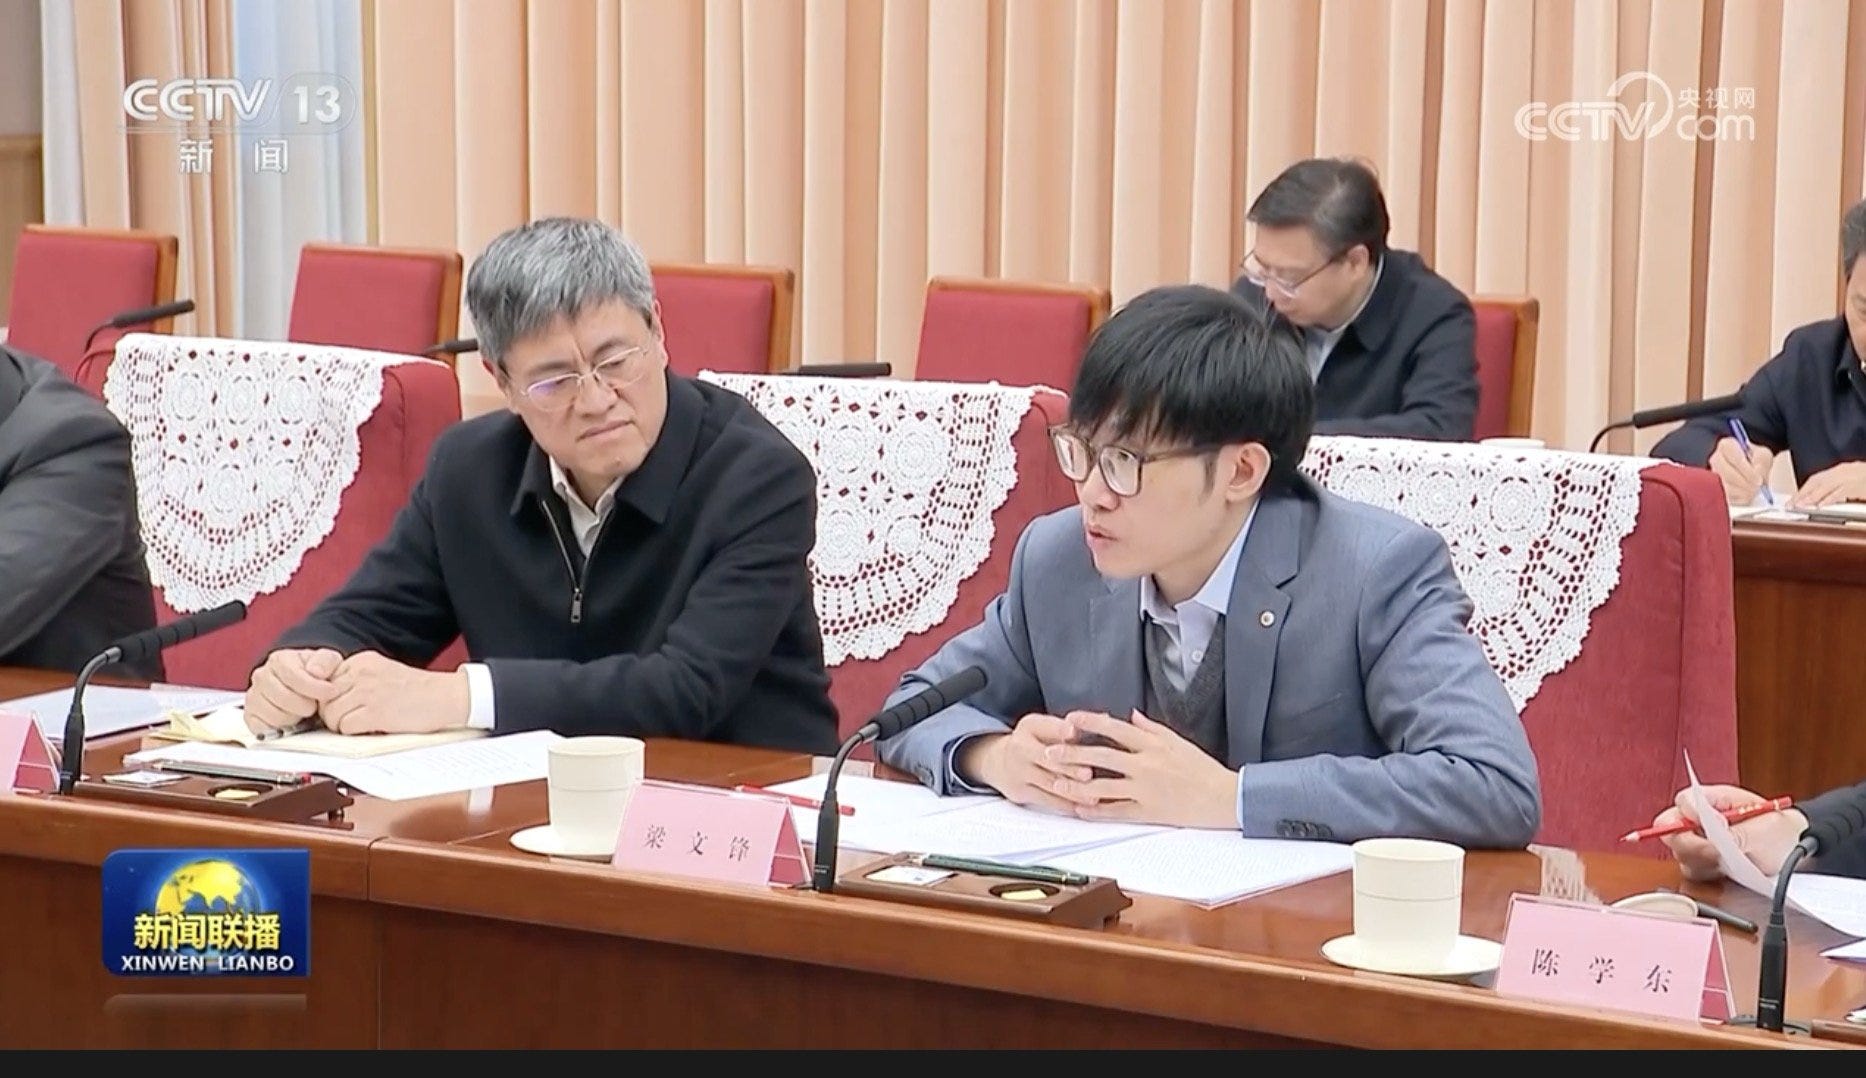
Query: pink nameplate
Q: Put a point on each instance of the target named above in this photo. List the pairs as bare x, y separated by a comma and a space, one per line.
1625, 960
710, 834
25, 758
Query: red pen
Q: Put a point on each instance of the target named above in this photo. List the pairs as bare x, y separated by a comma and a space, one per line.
1735, 815
800, 802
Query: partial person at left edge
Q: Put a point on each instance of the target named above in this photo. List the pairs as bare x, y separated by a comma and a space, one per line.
623, 551
73, 573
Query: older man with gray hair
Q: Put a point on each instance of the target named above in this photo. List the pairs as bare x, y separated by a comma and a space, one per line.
624, 551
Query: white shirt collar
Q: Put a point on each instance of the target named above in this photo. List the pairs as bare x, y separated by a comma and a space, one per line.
1214, 595
560, 482
585, 522
1329, 337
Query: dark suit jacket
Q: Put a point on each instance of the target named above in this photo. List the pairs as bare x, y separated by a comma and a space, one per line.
1407, 366
1809, 400
1849, 859
72, 572
692, 618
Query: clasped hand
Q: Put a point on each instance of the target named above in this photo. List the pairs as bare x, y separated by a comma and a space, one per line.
1149, 773
367, 693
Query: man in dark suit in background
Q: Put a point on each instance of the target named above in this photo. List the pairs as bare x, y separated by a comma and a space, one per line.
624, 551
1809, 401
1390, 344
72, 572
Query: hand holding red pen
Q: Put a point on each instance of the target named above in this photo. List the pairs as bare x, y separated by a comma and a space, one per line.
1765, 838
1730, 815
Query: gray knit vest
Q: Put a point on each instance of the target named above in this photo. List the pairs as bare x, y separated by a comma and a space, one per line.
1198, 714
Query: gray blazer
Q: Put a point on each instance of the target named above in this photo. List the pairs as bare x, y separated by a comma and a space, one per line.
1357, 702
72, 571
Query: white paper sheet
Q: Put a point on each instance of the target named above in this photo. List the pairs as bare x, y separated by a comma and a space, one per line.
881, 808
110, 709
1839, 901
402, 776
900, 817
1208, 867
996, 828
1851, 952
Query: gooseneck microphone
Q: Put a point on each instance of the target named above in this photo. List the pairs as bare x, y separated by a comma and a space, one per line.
1670, 413
880, 728
137, 316
1833, 820
131, 648
452, 347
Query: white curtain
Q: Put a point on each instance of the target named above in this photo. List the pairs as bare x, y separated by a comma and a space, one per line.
321, 194
61, 141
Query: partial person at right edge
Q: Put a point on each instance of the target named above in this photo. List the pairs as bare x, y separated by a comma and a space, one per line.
73, 575
1766, 840
1808, 401
1390, 345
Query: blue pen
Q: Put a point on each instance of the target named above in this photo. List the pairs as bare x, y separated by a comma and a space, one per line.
1741, 434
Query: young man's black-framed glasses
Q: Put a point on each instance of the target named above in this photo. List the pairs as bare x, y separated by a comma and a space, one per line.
1120, 466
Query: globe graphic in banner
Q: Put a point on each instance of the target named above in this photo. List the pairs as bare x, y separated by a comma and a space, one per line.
208, 887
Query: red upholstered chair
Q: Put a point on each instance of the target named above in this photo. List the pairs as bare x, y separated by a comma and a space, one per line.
878, 497
1648, 676
725, 318
1014, 332
1506, 364
1656, 676
858, 686
420, 398
385, 299
67, 281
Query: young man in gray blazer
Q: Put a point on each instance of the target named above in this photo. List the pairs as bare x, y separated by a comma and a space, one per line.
1210, 640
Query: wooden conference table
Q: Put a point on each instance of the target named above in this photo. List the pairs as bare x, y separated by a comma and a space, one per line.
1800, 655
430, 930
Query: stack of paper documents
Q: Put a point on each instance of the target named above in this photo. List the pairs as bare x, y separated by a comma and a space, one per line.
227, 726
1838, 901
109, 709
1839, 513
1209, 868
401, 776
1204, 867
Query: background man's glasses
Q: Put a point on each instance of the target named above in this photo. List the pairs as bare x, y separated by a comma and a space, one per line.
1255, 273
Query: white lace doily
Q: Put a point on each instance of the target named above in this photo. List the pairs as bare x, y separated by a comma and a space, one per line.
908, 477
242, 452
1534, 534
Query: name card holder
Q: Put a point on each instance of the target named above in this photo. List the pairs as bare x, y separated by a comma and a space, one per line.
708, 833
26, 758
1625, 960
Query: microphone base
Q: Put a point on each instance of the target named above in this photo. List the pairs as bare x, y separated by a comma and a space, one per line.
1749, 1021
319, 800
901, 878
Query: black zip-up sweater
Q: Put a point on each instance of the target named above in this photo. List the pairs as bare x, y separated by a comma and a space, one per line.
693, 618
